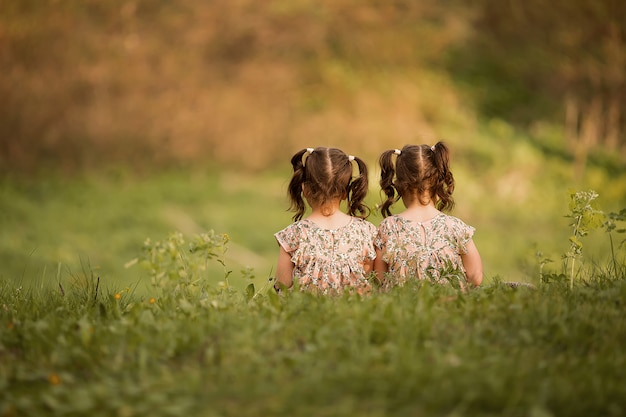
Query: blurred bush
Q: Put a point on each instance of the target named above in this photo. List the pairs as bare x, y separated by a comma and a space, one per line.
561, 61
243, 82
246, 83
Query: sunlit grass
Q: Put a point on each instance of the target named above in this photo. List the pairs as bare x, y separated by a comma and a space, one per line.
98, 222
213, 350
182, 331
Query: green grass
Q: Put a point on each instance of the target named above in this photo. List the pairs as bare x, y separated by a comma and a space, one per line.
98, 222
216, 351
178, 333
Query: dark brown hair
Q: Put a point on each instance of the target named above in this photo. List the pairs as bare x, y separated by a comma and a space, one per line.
326, 173
418, 170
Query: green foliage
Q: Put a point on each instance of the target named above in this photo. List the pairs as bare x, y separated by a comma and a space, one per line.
193, 345
176, 266
420, 349
50, 226
585, 218
534, 56
102, 220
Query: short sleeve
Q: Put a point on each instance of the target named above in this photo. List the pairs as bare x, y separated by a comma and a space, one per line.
465, 234
371, 234
380, 239
289, 238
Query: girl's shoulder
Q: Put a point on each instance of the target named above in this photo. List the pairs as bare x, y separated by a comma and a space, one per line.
296, 227
457, 226
451, 220
291, 236
396, 220
359, 223
389, 221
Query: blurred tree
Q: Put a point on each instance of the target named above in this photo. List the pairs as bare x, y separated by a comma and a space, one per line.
559, 60
87, 82
176, 81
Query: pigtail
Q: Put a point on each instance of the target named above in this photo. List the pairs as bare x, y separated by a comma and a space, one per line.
445, 182
387, 172
358, 191
295, 185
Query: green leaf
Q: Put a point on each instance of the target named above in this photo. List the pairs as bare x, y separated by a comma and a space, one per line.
185, 305
250, 291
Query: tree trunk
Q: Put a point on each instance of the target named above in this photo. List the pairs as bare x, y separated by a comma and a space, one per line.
589, 135
571, 121
613, 124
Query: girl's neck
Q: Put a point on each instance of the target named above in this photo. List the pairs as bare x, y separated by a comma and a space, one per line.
329, 215
419, 212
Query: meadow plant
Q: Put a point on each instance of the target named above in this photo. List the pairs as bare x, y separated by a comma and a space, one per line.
178, 267
179, 271
417, 349
585, 218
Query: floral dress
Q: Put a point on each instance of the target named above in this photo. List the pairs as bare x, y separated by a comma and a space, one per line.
328, 261
424, 250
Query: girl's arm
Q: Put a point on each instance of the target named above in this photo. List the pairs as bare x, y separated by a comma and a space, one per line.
473, 264
368, 266
380, 266
284, 269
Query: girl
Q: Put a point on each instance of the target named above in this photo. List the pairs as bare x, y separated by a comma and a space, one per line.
329, 250
422, 242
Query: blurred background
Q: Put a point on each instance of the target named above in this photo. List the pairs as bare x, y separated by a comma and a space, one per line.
122, 120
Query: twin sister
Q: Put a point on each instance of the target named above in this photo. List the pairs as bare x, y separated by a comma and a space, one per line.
329, 251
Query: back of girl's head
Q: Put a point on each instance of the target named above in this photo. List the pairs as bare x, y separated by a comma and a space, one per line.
419, 172
326, 174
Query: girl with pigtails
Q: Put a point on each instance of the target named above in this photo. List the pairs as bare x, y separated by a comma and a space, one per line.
329, 251
421, 242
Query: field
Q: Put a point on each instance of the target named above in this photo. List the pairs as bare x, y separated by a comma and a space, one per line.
193, 348
100, 223
143, 173
54, 225
127, 295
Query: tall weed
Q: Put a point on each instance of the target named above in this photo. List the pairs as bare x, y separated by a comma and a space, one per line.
585, 218
195, 348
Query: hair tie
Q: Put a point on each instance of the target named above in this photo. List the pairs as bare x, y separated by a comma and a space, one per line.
310, 150
350, 157
397, 151
432, 148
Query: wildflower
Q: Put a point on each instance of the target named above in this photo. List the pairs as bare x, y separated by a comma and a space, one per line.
118, 296
54, 379
152, 300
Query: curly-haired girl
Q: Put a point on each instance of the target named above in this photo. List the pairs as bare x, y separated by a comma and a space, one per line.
329, 251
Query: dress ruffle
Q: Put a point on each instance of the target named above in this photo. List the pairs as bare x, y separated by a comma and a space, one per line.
329, 260
423, 250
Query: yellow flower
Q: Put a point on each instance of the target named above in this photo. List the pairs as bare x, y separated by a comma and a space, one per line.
152, 300
54, 379
118, 296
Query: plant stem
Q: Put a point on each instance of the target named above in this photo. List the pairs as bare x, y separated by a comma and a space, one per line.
571, 280
613, 254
